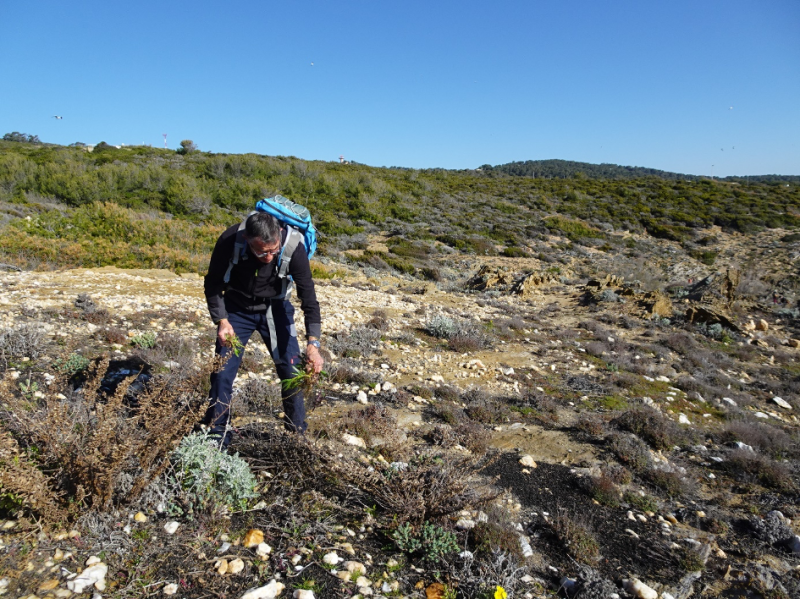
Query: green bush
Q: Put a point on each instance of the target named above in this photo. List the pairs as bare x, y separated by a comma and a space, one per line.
145, 340
74, 364
432, 541
211, 479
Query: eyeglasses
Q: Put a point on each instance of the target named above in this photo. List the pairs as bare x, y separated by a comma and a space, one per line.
271, 253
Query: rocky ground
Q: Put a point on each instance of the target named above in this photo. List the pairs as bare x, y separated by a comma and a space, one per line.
630, 439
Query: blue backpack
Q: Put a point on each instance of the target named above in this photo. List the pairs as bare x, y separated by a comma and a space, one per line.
299, 230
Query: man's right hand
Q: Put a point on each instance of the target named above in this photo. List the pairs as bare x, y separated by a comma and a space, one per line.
224, 331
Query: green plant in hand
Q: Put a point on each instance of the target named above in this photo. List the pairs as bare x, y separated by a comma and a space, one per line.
303, 379
233, 342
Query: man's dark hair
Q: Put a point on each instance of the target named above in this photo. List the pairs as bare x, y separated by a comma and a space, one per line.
263, 226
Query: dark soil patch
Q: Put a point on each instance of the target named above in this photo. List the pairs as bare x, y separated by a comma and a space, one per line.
552, 488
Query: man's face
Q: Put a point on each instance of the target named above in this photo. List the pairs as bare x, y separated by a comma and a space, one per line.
263, 251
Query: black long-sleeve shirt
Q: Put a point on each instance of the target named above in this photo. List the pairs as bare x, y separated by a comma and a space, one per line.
253, 282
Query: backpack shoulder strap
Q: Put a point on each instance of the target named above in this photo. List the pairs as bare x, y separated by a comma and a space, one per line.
238, 249
293, 239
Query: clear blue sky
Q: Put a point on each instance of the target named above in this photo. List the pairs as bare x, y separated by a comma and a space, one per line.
676, 85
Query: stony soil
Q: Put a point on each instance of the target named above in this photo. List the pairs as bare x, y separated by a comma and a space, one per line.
553, 361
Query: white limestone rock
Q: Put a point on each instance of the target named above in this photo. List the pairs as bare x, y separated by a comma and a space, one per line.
782, 403
268, 591
353, 440
639, 589
171, 527
92, 576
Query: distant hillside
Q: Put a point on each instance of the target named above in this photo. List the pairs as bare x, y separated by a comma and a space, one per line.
153, 207
569, 169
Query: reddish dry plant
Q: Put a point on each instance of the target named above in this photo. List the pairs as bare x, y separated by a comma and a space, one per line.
91, 449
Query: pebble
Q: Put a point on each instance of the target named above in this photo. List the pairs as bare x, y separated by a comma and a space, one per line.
140, 517
235, 566
782, 403
263, 550
465, 524
527, 461
93, 575
171, 527
331, 558
347, 548
353, 440
48, 585
170, 589
639, 589
253, 538
352, 567
268, 591
303, 594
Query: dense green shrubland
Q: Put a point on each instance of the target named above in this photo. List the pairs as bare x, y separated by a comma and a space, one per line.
116, 205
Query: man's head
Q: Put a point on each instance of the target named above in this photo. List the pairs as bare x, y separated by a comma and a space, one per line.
263, 234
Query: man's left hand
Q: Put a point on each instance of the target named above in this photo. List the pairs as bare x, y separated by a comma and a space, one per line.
314, 360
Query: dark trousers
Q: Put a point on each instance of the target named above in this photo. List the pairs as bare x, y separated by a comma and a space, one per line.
276, 326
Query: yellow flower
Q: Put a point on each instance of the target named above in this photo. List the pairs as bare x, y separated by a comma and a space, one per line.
500, 593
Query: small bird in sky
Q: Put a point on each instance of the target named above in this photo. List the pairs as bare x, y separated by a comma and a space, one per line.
55, 116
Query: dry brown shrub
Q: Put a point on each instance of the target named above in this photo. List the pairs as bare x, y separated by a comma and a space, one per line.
94, 449
575, 534
428, 487
591, 424
22, 484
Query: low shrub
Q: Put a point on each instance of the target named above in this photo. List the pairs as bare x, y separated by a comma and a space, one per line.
379, 321
72, 365
670, 482
591, 423
146, 340
576, 536
604, 490
21, 341
350, 370
650, 425
421, 390
630, 450
769, 439
497, 533
433, 542
97, 450
462, 335
211, 479
748, 466
473, 436
643, 503
359, 342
